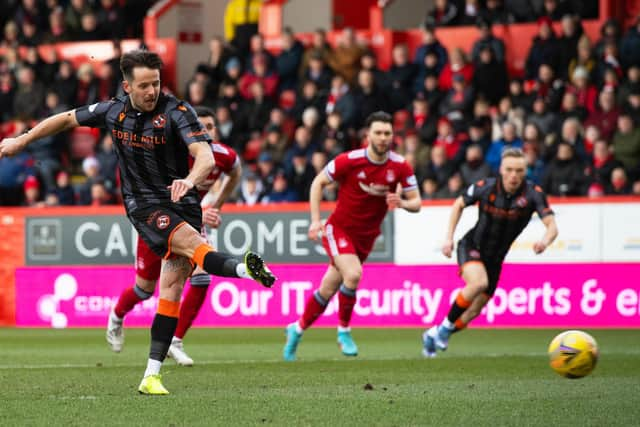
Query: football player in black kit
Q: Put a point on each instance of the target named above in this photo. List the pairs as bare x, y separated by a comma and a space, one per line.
154, 134
505, 207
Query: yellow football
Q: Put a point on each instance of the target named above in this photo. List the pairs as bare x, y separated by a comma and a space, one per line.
573, 354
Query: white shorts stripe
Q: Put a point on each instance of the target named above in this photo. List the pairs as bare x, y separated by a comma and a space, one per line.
333, 247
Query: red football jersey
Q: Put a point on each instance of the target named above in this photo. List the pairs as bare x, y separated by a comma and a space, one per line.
226, 159
364, 185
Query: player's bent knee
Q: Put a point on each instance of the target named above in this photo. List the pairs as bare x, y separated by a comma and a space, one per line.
352, 277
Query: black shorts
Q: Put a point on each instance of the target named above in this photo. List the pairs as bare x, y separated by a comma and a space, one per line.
467, 252
157, 223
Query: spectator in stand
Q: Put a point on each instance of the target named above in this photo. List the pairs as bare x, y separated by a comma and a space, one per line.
632, 104
259, 73
100, 196
457, 105
535, 165
73, 15
591, 135
11, 34
341, 100
428, 188
547, 86
52, 104
63, 190
448, 139
544, 119
230, 97
583, 59
490, 77
474, 167
13, 173
66, 84
586, 93
568, 44
57, 32
457, 65
519, 99
30, 10
251, 191
7, 95
605, 117
571, 108
301, 176
233, 71
602, 163
630, 46
266, 171
29, 97
443, 14
226, 129
311, 121
32, 196
609, 33
401, 76
469, 13
509, 140
257, 48
88, 90
302, 145
544, 49
275, 143
110, 19
619, 183
91, 169
256, 111
318, 72
626, 143
335, 131
555, 9
565, 174
412, 146
629, 84
423, 122
108, 161
487, 39
572, 133
289, 60
197, 94
506, 113
89, 28
241, 23
496, 13
439, 167
219, 54
430, 57
453, 189
521, 10
281, 191
30, 35
369, 62
345, 59
368, 97
308, 97
431, 92
611, 60
319, 47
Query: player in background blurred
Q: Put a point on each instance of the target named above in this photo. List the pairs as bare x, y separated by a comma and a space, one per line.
154, 136
148, 263
505, 206
371, 180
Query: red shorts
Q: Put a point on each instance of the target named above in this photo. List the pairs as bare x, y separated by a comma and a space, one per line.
337, 242
148, 264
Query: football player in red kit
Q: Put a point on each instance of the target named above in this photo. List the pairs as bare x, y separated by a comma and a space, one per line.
371, 180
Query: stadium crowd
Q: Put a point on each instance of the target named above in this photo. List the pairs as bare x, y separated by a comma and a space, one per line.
575, 111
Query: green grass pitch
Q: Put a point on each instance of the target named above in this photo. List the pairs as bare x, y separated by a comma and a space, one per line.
487, 377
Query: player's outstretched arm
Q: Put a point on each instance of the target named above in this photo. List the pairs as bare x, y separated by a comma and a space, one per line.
315, 197
49, 126
454, 218
550, 234
202, 166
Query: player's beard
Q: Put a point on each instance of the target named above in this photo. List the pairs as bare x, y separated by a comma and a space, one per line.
379, 152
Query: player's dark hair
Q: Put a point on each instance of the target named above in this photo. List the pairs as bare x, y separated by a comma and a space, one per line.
379, 116
139, 58
203, 111
513, 152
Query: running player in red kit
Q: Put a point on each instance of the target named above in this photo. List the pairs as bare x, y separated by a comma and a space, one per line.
371, 180
148, 263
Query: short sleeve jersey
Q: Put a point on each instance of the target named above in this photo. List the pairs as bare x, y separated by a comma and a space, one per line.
152, 147
502, 216
364, 185
226, 160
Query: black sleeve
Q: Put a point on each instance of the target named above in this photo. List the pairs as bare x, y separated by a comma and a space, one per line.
187, 126
94, 115
540, 202
474, 192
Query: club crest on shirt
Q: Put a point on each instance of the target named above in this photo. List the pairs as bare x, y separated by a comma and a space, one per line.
163, 221
362, 175
391, 176
159, 121
521, 201
342, 243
